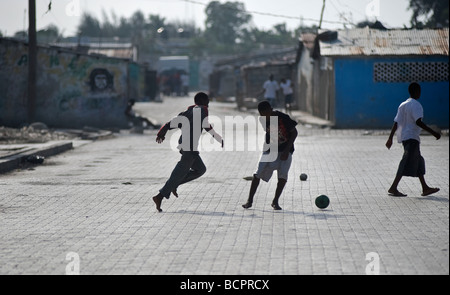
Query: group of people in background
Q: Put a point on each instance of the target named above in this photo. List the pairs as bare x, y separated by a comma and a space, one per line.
174, 83
271, 89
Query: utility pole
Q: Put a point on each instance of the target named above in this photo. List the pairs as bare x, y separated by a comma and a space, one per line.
321, 14
32, 60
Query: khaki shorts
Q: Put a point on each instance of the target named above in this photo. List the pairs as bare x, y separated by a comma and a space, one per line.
265, 169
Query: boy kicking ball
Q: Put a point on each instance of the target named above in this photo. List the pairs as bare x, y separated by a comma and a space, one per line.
190, 166
287, 133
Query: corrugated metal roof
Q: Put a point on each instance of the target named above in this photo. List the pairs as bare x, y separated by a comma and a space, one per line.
366, 42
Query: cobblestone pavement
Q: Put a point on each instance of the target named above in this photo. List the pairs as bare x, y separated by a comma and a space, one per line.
91, 207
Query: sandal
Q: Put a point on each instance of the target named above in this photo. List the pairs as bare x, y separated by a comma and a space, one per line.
396, 194
430, 191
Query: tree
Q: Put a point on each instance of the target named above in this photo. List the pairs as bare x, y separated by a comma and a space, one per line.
225, 21
156, 25
227, 32
278, 35
89, 26
434, 11
22, 35
139, 26
108, 27
49, 34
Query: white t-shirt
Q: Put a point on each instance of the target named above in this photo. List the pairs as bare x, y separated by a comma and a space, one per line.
184, 80
408, 113
271, 88
287, 89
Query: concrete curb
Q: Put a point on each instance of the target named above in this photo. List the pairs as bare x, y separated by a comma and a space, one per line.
12, 162
299, 116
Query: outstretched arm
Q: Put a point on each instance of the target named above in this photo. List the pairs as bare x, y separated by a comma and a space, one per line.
209, 128
162, 133
215, 135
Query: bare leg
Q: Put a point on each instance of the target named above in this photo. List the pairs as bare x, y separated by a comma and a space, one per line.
279, 190
253, 188
426, 190
393, 191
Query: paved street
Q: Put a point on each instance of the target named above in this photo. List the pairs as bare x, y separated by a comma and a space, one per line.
94, 203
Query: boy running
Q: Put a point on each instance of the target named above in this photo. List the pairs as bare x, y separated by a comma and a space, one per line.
408, 124
190, 167
287, 133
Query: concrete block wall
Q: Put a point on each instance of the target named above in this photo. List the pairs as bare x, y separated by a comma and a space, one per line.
73, 90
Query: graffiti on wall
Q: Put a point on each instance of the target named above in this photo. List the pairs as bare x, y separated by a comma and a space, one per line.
71, 87
101, 80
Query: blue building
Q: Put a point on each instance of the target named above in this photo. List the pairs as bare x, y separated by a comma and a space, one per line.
357, 78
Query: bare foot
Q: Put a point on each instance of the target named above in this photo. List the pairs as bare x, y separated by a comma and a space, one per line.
158, 200
275, 206
247, 205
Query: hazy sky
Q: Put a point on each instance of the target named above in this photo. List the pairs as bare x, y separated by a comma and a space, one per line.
66, 13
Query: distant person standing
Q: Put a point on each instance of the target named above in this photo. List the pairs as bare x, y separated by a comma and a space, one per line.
177, 84
286, 86
270, 89
185, 84
408, 124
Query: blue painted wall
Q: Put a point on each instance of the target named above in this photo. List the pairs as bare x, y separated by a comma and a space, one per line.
363, 103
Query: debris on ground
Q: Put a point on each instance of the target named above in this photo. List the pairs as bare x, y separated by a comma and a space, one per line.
40, 133
30, 134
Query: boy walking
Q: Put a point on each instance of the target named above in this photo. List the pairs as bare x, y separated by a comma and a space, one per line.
270, 89
287, 133
286, 86
190, 167
408, 124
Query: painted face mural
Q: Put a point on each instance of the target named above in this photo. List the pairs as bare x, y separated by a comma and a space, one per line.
101, 80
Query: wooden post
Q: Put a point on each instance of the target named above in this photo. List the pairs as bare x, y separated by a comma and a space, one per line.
321, 14
32, 60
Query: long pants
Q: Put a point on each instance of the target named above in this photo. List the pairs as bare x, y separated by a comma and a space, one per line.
189, 167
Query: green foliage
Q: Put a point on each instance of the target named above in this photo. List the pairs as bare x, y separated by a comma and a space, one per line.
49, 34
225, 21
227, 31
434, 13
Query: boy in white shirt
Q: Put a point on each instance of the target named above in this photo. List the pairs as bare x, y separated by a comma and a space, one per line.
270, 89
286, 85
408, 124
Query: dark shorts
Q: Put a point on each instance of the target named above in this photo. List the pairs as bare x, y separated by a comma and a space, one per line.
412, 163
288, 98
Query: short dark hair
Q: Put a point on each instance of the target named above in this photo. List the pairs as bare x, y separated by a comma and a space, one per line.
264, 106
413, 88
200, 97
